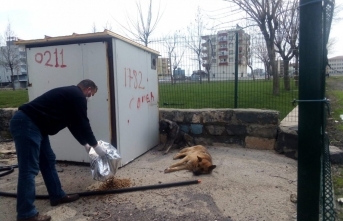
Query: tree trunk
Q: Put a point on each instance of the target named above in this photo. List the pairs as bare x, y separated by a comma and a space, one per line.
268, 71
252, 72
271, 52
286, 79
170, 68
12, 79
296, 71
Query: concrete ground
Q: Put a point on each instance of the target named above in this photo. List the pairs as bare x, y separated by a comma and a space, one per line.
246, 185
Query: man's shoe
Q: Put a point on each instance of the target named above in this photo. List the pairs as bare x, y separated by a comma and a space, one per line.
37, 217
65, 199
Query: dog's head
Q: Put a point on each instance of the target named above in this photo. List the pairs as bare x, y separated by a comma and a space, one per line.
165, 126
203, 166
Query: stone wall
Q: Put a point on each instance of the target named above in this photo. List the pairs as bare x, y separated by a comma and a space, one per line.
252, 128
5, 117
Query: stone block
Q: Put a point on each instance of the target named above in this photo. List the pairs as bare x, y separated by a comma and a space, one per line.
166, 115
336, 155
196, 118
266, 131
217, 116
178, 116
196, 128
287, 142
238, 130
259, 143
255, 116
215, 130
184, 128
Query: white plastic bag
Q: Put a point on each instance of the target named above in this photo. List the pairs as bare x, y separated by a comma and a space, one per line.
106, 166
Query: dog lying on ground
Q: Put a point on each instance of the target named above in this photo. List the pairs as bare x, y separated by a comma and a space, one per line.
195, 159
174, 135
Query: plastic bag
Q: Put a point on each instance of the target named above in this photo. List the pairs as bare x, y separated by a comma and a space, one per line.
106, 166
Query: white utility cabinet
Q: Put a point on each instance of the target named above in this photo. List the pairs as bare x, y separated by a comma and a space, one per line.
123, 112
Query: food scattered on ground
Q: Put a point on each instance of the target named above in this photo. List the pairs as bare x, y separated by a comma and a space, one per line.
114, 183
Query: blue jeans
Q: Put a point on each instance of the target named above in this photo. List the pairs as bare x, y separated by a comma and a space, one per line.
34, 153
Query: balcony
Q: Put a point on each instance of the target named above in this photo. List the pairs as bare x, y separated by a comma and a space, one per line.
222, 34
222, 40
222, 63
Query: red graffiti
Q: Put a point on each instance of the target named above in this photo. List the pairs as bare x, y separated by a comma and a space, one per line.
142, 99
133, 77
39, 57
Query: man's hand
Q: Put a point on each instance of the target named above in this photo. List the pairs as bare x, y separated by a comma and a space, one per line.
87, 147
100, 150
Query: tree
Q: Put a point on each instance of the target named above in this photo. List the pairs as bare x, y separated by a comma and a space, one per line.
260, 52
93, 28
286, 39
209, 54
337, 17
264, 14
9, 54
141, 28
108, 26
170, 43
194, 40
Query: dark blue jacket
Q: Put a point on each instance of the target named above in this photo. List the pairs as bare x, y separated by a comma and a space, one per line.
59, 108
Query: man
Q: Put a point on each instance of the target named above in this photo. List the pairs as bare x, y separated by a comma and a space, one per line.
30, 128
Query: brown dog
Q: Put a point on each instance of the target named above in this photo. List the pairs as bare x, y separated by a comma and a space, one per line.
195, 159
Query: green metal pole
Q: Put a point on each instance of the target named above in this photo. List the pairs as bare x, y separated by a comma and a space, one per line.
310, 126
236, 71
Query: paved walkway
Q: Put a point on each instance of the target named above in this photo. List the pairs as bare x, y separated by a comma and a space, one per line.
291, 119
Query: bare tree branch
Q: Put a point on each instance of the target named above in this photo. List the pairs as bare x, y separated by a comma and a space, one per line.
9, 57
264, 13
141, 28
195, 31
286, 38
170, 44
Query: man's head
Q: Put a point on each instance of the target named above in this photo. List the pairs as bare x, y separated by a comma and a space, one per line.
88, 87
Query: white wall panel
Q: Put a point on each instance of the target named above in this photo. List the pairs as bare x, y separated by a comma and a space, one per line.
82, 61
136, 101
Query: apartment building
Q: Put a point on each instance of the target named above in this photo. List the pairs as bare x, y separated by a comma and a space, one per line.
163, 67
219, 53
19, 78
336, 64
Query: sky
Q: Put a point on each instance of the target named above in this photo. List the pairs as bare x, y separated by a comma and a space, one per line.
33, 19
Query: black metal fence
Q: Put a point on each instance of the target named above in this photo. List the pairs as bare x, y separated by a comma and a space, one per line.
206, 72
315, 191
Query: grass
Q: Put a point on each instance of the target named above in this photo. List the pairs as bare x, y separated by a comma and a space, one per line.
336, 97
220, 94
335, 94
10, 98
216, 94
